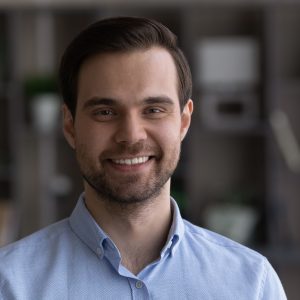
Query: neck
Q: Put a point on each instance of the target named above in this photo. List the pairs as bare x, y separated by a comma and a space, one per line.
139, 230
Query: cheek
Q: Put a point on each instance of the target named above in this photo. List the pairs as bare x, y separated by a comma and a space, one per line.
168, 136
90, 135
88, 145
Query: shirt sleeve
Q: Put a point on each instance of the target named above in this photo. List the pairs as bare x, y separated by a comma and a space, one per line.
271, 286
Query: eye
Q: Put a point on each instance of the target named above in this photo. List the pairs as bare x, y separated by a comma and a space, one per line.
153, 110
103, 114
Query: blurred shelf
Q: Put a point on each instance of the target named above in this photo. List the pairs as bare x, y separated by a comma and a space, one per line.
215, 162
5, 173
260, 130
289, 85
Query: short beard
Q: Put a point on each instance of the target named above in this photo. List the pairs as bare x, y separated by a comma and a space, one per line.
110, 193
132, 189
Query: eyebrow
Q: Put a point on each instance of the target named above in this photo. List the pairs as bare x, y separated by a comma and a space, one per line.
159, 100
95, 101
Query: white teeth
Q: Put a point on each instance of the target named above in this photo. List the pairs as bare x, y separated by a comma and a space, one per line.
132, 161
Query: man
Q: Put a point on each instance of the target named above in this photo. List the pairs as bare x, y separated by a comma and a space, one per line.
126, 88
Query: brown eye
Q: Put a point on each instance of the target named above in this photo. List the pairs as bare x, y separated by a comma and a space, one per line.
153, 110
103, 114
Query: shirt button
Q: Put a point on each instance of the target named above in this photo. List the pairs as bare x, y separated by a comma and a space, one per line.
139, 284
99, 251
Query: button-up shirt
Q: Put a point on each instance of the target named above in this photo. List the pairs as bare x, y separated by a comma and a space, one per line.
75, 259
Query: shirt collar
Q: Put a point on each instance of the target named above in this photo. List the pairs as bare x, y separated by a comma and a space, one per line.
176, 231
87, 229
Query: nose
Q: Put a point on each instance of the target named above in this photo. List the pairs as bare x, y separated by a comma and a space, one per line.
131, 130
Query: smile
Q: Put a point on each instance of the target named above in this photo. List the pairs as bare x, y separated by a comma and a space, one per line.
131, 161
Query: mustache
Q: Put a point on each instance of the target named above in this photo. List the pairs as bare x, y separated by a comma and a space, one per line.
124, 149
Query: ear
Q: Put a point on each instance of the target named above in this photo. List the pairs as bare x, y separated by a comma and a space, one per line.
68, 126
186, 116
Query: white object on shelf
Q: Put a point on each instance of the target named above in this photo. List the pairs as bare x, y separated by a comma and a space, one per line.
61, 185
227, 62
45, 109
234, 221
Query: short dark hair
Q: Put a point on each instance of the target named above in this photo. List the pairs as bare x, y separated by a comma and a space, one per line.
120, 34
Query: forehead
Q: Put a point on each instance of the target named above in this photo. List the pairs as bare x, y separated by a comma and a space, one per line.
129, 75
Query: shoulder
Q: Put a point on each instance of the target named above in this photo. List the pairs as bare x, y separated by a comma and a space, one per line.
225, 257
229, 265
34, 245
42, 236
220, 248
28, 264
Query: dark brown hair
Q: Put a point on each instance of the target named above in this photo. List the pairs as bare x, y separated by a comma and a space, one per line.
120, 35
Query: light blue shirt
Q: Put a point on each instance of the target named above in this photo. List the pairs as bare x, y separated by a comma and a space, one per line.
74, 259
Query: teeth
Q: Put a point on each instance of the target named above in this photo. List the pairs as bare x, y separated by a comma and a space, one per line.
132, 161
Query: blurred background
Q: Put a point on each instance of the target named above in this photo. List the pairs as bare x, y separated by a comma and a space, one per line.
240, 169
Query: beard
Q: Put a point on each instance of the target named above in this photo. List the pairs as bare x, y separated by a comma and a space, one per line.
132, 188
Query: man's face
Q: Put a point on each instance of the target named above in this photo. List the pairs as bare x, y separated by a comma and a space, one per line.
128, 126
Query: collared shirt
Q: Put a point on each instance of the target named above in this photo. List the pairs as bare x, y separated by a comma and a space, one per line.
75, 259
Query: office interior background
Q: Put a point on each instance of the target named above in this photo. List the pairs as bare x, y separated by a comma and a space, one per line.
239, 173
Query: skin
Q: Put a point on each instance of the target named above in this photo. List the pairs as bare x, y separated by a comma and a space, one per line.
128, 107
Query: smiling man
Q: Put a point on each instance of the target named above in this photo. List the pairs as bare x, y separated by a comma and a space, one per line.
126, 88
127, 131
